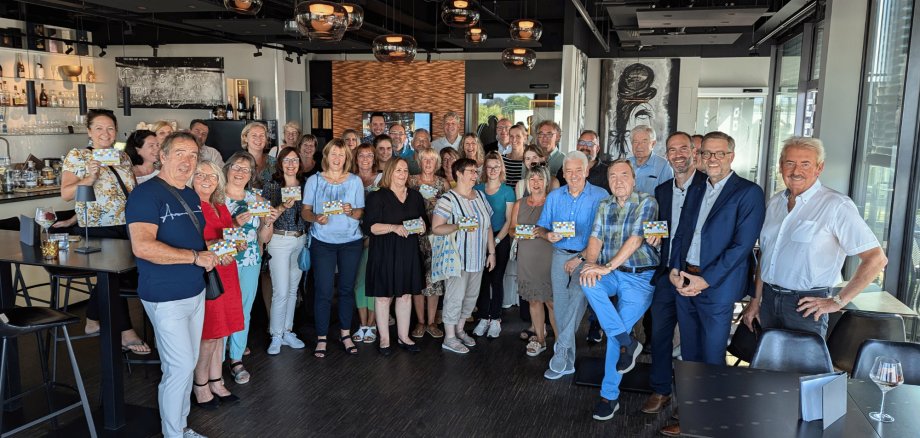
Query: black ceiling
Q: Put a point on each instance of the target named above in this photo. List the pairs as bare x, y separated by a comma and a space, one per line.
161, 22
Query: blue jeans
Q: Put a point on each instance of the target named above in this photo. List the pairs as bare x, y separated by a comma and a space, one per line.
664, 319
634, 294
569, 307
326, 257
778, 310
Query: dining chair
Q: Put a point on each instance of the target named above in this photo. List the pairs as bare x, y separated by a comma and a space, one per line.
855, 327
908, 353
793, 351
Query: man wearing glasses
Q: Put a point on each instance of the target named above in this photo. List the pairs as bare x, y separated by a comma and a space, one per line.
401, 146
547, 136
651, 170
589, 145
502, 143
710, 253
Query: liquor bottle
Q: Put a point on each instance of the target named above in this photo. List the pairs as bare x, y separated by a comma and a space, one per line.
4, 129
39, 71
18, 99
1, 71
230, 114
20, 68
4, 95
43, 97
91, 76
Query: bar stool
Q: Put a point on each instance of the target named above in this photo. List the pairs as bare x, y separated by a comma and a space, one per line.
131, 293
19, 321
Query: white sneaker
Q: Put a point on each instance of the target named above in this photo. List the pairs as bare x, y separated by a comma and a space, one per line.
495, 328
481, 328
189, 433
275, 347
466, 339
290, 339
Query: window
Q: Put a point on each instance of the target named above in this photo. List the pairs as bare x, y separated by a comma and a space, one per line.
740, 117
785, 97
528, 109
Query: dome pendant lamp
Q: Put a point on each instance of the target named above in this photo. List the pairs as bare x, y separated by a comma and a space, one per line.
395, 48
517, 58
460, 13
321, 20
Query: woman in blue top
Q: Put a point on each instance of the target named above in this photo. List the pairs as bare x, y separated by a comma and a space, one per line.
501, 199
333, 200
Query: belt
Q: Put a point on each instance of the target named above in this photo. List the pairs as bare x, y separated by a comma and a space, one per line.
693, 269
785, 291
288, 233
636, 270
570, 251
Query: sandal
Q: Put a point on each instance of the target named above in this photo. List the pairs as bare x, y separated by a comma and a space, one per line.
370, 336
359, 334
534, 348
418, 332
136, 347
223, 398
527, 334
239, 373
320, 352
350, 350
434, 331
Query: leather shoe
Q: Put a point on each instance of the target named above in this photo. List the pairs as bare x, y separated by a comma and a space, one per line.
655, 403
385, 351
674, 414
412, 348
671, 430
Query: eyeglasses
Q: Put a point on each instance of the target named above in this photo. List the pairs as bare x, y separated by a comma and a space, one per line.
210, 176
238, 168
589, 144
397, 134
476, 171
720, 154
290, 160
502, 128
491, 168
546, 134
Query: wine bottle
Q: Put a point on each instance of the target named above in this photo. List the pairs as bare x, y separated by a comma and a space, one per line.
39, 71
91, 76
20, 68
43, 97
230, 115
18, 100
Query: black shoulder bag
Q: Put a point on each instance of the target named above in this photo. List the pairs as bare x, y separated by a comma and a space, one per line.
214, 288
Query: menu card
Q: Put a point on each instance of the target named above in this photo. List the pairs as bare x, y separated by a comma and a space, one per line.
823, 397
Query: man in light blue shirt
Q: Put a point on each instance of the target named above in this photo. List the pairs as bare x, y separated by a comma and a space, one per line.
574, 203
651, 170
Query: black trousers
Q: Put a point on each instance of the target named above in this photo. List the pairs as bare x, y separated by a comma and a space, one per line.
122, 318
492, 291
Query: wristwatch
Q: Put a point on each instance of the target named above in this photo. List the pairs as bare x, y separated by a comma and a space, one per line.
837, 300
497, 240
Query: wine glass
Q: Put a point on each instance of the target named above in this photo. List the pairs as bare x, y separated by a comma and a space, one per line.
886, 373
45, 217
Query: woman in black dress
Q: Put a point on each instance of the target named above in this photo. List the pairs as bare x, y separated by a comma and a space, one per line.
394, 262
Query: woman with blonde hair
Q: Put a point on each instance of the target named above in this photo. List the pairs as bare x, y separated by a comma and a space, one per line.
333, 201
394, 262
162, 129
253, 139
471, 147
351, 138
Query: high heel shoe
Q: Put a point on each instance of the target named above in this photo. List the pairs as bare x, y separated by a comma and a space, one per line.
412, 348
210, 405
385, 351
224, 399
353, 350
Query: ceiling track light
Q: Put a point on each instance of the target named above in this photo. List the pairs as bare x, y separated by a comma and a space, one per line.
288, 57
102, 51
298, 58
69, 50
258, 52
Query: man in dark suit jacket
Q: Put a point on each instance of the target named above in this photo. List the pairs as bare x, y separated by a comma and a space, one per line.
502, 143
671, 196
709, 257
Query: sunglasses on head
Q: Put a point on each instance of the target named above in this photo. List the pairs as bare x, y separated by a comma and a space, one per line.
537, 164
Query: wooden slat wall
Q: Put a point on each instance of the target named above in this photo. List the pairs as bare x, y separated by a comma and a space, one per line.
358, 86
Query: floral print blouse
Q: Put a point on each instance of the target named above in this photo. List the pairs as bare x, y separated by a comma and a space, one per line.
109, 207
251, 256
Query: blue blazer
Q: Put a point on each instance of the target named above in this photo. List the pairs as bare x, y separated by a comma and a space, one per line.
728, 236
664, 194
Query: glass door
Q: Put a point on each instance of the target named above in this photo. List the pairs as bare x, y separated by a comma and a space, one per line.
740, 117
785, 101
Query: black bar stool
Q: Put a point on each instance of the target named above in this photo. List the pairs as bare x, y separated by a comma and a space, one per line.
19, 321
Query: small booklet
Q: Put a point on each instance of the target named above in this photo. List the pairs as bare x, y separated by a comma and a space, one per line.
260, 208
468, 223
656, 229
823, 397
237, 236
427, 191
223, 247
414, 226
107, 157
290, 194
333, 207
564, 229
525, 232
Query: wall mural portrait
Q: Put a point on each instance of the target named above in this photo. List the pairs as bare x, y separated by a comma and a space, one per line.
634, 93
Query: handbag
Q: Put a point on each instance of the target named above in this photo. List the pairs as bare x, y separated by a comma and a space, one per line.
214, 288
303, 260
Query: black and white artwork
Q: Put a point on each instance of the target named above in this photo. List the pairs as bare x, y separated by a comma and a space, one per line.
637, 92
187, 83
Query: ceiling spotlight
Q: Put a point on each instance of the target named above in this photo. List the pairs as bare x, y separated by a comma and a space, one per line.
101, 51
246, 7
526, 29
398, 49
476, 35
288, 57
518, 58
69, 50
298, 58
258, 52
321, 20
355, 16
460, 13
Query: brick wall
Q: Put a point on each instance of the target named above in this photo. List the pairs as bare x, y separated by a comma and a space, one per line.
358, 86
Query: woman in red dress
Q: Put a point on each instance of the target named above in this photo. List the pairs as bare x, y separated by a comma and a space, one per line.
224, 315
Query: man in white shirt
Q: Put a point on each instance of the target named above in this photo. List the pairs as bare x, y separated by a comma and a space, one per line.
547, 135
199, 129
808, 233
451, 133
502, 143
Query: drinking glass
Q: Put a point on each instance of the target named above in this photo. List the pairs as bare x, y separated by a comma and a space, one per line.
45, 217
887, 374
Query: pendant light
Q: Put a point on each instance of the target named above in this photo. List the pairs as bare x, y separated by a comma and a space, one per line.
476, 35
355, 16
245, 7
460, 13
526, 29
518, 58
321, 20
395, 48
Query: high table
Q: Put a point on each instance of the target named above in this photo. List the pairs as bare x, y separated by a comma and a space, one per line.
115, 258
722, 401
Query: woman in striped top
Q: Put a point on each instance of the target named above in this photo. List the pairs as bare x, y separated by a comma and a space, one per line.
514, 161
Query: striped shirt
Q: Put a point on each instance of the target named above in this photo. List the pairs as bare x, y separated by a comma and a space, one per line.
471, 245
514, 171
613, 225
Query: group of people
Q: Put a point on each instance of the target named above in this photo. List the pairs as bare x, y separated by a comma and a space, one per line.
431, 227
